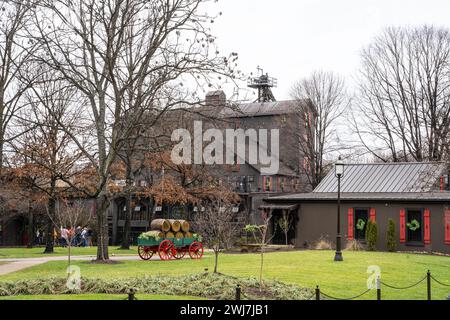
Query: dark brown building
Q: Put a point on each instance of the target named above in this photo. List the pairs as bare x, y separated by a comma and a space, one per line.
415, 196
246, 179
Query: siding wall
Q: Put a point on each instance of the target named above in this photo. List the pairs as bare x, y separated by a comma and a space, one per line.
319, 219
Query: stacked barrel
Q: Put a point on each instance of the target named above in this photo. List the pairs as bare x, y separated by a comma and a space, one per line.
171, 228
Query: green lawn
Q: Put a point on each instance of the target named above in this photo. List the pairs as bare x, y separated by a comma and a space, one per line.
305, 268
98, 297
76, 251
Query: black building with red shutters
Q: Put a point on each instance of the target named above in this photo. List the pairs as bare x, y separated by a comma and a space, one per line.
415, 196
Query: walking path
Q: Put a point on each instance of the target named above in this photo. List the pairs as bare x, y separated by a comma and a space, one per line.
17, 264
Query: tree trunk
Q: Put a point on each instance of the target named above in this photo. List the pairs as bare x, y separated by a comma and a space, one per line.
102, 226
127, 226
261, 284
49, 237
30, 228
216, 260
69, 246
1, 150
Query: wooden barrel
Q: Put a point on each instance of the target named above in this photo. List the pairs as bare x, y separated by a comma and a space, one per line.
184, 225
170, 235
160, 224
188, 235
158, 233
179, 235
175, 225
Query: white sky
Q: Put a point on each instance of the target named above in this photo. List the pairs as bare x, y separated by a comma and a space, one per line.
292, 38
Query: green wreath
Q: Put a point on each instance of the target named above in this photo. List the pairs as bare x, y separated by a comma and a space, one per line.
413, 225
360, 224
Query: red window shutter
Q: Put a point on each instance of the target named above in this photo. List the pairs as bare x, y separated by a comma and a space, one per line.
402, 226
350, 224
427, 233
447, 226
373, 214
264, 184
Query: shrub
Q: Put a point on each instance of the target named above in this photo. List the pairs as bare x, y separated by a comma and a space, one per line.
391, 242
354, 245
323, 244
371, 235
207, 285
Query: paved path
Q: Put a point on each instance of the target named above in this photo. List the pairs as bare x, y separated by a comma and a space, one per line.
17, 264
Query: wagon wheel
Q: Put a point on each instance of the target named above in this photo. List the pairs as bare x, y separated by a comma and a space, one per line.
181, 252
166, 250
145, 253
196, 250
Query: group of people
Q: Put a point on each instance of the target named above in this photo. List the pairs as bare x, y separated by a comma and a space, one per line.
78, 237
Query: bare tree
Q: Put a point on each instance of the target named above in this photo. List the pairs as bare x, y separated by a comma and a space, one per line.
218, 224
285, 223
404, 99
263, 238
70, 216
46, 158
328, 100
135, 51
15, 50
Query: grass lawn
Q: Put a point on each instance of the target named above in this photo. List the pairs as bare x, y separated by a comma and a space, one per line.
305, 268
6, 253
98, 297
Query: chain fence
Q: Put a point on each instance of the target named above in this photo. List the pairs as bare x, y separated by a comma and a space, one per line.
239, 294
379, 285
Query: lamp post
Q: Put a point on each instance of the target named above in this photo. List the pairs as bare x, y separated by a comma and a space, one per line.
339, 172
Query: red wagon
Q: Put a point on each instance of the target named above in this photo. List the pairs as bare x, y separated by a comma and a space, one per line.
170, 248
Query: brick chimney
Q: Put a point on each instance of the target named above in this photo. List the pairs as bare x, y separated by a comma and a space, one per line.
216, 98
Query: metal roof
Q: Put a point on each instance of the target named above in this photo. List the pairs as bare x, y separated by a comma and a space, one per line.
385, 178
261, 109
442, 197
273, 206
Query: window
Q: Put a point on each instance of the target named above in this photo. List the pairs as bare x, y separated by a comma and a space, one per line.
360, 224
268, 184
282, 184
414, 223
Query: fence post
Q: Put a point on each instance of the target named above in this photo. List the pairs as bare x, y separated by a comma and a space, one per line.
429, 285
238, 292
317, 293
131, 294
378, 288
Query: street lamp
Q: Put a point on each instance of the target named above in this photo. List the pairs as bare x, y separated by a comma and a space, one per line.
339, 173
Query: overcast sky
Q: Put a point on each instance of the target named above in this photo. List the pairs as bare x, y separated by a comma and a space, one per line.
291, 38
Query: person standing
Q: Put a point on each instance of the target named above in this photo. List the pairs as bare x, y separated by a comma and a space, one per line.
64, 237
89, 237
84, 237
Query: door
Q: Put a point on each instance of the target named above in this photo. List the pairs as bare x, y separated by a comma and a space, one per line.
360, 223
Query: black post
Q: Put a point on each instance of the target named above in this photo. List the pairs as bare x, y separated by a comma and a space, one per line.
131, 294
338, 255
238, 292
317, 293
429, 285
378, 289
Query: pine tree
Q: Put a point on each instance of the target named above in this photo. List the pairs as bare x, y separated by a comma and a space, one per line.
391, 242
371, 235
